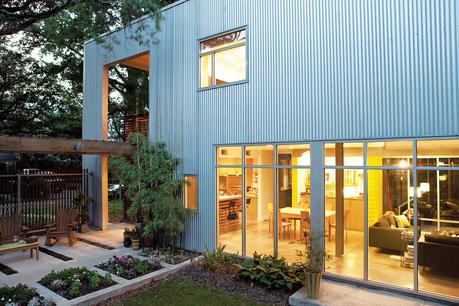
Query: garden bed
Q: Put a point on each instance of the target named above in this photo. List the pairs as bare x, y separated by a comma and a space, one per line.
75, 282
129, 267
21, 295
229, 283
168, 256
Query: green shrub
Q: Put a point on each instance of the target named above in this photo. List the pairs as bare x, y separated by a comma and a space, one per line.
74, 282
94, 281
128, 266
149, 177
271, 272
108, 279
20, 294
219, 261
74, 290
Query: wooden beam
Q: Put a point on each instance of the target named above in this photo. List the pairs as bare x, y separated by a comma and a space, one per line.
63, 146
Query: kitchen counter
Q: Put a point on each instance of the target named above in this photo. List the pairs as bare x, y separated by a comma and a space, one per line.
229, 197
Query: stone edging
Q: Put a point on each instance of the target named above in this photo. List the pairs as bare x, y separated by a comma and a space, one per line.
121, 287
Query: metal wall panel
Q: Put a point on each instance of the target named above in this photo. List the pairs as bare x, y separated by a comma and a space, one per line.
317, 70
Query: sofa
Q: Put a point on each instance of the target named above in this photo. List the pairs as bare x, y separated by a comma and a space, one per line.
440, 251
386, 238
385, 234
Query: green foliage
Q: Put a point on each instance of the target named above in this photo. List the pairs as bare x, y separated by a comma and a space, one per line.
41, 92
149, 178
82, 202
74, 282
219, 261
94, 281
108, 279
74, 290
271, 272
312, 254
129, 267
179, 292
21, 294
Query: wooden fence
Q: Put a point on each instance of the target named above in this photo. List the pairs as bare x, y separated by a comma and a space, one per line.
39, 194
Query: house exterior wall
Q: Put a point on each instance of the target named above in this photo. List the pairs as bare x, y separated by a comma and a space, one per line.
317, 70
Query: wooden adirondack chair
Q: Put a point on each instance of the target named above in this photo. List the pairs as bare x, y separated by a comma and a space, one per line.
65, 221
10, 226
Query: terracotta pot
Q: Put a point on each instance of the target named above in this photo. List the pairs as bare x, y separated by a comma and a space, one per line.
313, 284
147, 241
135, 243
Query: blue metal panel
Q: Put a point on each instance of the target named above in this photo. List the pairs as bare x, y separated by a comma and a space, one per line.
317, 69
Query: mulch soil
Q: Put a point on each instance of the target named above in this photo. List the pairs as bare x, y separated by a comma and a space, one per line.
220, 281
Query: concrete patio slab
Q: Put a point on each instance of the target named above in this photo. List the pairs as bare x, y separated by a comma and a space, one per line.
83, 254
340, 294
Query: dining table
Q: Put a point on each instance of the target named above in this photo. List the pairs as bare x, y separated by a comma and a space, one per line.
294, 213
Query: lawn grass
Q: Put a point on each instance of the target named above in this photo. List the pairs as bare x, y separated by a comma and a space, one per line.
115, 211
176, 291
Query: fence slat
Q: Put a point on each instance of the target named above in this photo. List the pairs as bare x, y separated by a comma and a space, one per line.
38, 196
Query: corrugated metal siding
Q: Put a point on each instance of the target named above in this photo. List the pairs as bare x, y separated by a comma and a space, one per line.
317, 69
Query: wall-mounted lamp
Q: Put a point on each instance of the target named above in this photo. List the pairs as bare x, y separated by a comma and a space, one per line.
425, 187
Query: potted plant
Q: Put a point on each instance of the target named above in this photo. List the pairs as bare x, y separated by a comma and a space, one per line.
312, 257
82, 203
147, 238
135, 239
127, 237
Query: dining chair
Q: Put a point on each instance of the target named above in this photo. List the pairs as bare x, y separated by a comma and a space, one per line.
346, 220
284, 225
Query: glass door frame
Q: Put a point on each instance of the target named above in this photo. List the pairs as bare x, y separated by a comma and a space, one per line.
275, 167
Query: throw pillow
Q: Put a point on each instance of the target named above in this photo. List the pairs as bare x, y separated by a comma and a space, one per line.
383, 222
402, 221
391, 217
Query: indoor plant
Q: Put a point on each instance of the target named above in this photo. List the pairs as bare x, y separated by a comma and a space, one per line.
312, 256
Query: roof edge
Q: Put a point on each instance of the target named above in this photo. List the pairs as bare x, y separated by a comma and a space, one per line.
167, 7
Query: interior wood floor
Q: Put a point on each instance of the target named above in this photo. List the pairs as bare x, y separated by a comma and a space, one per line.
383, 267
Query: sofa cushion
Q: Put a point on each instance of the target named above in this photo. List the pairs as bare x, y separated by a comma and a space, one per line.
402, 221
390, 216
383, 221
445, 237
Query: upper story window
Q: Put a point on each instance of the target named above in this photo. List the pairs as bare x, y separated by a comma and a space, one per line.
223, 59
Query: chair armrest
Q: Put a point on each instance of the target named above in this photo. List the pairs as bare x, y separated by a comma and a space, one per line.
50, 225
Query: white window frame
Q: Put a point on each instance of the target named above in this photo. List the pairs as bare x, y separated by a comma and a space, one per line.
213, 52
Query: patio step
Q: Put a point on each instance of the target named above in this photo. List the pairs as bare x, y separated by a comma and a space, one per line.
341, 294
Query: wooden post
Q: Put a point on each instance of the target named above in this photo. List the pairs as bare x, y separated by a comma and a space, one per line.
339, 229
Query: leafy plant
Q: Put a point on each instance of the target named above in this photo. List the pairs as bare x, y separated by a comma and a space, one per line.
219, 261
94, 281
271, 272
129, 267
74, 282
74, 290
312, 254
155, 194
82, 202
20, 295
108, 279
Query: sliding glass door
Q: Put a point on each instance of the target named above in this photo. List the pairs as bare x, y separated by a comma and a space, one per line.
394, 221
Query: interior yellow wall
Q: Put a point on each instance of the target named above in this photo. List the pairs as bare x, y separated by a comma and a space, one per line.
375, 190
294, 183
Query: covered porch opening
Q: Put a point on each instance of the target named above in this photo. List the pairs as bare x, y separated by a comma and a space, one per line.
123, 89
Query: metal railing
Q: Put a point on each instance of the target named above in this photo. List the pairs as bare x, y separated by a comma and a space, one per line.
38, 195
